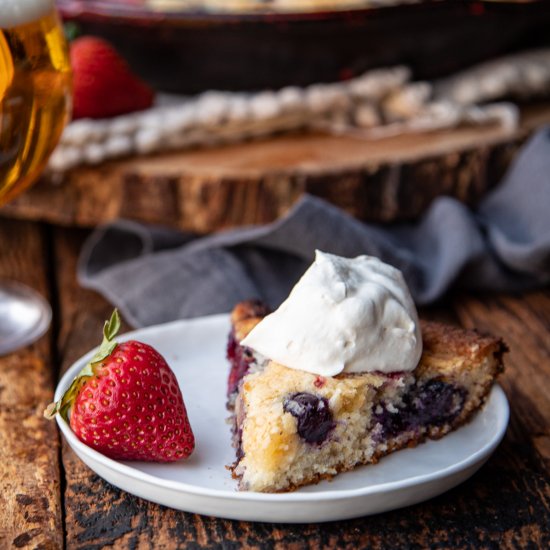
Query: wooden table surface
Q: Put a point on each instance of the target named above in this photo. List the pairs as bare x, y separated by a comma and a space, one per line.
49, 499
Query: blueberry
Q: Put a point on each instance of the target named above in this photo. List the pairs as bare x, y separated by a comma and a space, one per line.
313, 415
438, 402
434, 403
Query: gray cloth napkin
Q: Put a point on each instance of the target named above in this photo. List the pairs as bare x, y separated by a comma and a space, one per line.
155, 275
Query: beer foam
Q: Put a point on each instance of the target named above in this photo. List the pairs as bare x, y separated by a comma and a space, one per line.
19, 12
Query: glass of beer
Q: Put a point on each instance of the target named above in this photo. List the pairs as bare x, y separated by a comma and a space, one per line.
35, 92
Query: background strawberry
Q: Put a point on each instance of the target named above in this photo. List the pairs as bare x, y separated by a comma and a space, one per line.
126, 403
103, 84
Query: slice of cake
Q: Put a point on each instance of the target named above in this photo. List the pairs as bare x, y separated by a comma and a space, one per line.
293, 427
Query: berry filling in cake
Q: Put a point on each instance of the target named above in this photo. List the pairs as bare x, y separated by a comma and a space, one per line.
314, 421
435, 403
241, 359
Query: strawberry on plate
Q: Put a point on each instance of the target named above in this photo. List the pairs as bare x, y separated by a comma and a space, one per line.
103, 84
126, 403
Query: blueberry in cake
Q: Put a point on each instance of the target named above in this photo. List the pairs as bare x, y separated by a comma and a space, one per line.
297, 425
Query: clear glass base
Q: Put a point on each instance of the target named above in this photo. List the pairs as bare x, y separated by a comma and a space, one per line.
24, 316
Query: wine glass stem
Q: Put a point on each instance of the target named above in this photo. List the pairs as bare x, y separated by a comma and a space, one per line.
24, 316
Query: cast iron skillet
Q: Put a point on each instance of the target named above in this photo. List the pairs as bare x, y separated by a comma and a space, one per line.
192, 51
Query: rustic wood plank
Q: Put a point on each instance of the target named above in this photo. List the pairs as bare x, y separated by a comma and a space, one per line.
506, 504
29, 451
209, 189
525, 324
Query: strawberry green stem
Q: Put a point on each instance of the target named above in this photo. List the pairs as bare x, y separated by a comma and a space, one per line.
108, 345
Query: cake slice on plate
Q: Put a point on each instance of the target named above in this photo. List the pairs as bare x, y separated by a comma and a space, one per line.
293, 426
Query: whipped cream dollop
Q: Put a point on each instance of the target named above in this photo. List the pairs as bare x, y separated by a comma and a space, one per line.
343, 315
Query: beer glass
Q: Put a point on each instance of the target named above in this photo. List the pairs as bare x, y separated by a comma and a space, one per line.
35, 86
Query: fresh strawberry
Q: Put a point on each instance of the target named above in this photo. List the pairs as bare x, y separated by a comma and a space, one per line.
126, 403
103, 84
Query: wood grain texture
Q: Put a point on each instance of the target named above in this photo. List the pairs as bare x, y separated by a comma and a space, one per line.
30, 504
505, 505
525, 323
209, 189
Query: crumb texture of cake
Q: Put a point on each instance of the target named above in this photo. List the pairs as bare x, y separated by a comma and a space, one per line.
293, 428
298, 428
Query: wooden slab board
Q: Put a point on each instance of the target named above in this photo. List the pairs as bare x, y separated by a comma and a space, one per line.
30, 476
250, 183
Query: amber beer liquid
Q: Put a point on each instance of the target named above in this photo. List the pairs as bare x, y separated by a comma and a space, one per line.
34, 90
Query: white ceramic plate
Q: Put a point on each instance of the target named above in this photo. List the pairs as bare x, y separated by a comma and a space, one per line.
195, 349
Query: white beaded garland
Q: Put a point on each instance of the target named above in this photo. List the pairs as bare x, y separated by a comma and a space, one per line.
379, 103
